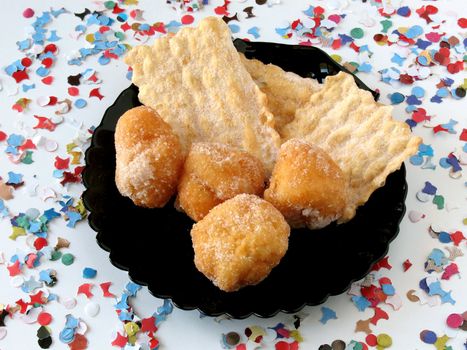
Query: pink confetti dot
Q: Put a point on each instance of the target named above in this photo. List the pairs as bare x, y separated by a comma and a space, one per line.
454, 320
187, 19
28, 13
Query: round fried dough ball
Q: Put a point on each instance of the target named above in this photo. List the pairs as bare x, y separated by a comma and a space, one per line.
240, 241
213, 173
149, 158
307, 186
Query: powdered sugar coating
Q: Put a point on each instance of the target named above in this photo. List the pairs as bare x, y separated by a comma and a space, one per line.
213, 173
240, 241
148, 158
307, 186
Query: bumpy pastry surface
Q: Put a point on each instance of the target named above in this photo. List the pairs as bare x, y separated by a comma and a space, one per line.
197, 83
358, 133
239, 242
214, 173
306, 186
286, 91
148, 156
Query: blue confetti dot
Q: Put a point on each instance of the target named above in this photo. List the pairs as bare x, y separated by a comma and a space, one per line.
429, 188
234, 28
103, 60
428, 337
80, 103
129, 75
122, 17
443, 162
42, 71
418, 91
58, 174
416, 160
414, 31
442, 92
89, 272
396, 98
388, 289
67, 335
404, 11
444, 237
14, 178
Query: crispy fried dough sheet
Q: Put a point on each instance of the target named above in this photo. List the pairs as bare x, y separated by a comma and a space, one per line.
197, 83
286, 91
360, 135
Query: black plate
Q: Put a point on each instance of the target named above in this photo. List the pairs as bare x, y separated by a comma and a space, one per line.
154, 245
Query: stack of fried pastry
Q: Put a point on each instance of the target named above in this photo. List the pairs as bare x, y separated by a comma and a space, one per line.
249, 149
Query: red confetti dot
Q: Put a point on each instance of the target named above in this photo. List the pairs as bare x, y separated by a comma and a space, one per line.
28, 13
62, 164
406, 264
73, 91
40, 243
48, 80
454, 320
27, 145
96, 93
47, 62
2, 136
187, 19
462, 22
220, 10
26, 62
20, 75
50, 48
371, 340
44, 318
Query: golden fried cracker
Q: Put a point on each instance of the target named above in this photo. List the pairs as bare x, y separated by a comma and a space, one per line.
286, 91
360, 135
197, 83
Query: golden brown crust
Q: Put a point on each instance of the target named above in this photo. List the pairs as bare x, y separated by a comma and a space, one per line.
214, 173
306, 186
286, 91
239, 242
359, 134
197, 83
149, 160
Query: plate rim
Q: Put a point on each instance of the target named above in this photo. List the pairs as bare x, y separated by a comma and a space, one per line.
99, 233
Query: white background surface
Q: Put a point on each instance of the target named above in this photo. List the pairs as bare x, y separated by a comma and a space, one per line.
185, 329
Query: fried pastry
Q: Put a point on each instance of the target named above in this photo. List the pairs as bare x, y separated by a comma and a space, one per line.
359, 134
214, 173
148, 156
198, 84
239, 242
307, 187
286, 91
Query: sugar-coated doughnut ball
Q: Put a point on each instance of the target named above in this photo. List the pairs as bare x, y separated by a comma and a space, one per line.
149, 158
240, 241
307, 186
213, 173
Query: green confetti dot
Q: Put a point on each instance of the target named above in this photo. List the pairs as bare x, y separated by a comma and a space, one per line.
386, 25
68, 259
384, 340
56, 255
27, 159
120, 35
439, 201
356, 33
109, 5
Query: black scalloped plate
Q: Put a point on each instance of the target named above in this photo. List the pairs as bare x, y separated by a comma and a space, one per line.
154, 245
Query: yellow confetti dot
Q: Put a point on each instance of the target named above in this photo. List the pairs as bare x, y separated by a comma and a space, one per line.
131, 328
384, 340
17, 231
402, 30
440, 343
90, 38
70, 147
336, 58
464, 221
256, 331
75, 157
295, 334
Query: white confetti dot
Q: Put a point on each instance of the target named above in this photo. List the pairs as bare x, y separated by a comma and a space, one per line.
415, 216
423, 197
69, 303
51, 146
82, 328
91, 309
17, 281
3, 332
